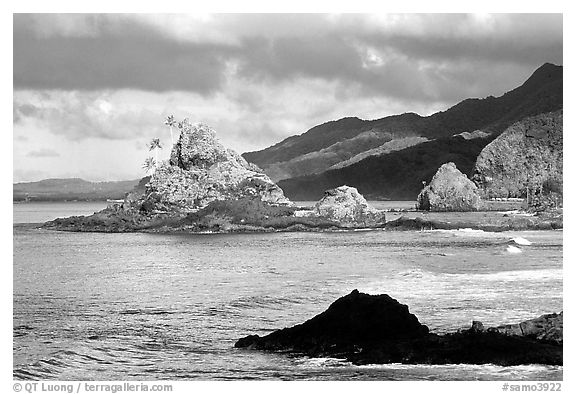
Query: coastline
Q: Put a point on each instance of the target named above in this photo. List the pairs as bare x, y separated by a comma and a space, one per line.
493, 221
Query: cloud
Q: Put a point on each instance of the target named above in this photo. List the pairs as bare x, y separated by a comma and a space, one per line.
403, 56
96, 87
123, 54
43, 153
22, 110
79, 115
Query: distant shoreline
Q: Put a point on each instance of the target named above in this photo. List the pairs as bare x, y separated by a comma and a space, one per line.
56, 200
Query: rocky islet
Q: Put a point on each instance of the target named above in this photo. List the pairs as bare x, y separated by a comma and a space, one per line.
377, 329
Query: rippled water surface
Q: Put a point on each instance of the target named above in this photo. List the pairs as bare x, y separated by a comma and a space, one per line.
146, 306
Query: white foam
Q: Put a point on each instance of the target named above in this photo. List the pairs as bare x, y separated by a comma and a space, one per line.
469, 367
513, 249
521, 241
324, 362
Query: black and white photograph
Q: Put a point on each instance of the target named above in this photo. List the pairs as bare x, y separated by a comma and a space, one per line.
286, 197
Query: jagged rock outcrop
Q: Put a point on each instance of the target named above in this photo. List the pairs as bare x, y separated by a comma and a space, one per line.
202, 170
548, 327
377, 329
525, 159
345, 205
449, 190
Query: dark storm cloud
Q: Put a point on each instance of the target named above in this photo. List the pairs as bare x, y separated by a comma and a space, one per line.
123, 55
326, 57
427, 58
439, 66
516, 38
21, 111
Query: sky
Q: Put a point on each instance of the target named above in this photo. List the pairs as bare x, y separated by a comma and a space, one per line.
91, 90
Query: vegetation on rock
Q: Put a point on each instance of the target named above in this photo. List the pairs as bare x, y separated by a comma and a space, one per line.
202, 170
525, 161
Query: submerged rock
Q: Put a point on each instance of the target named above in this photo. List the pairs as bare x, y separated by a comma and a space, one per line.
449, 190
349, 208
377, 329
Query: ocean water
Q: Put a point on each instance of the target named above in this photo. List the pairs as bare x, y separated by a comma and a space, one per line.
158, 306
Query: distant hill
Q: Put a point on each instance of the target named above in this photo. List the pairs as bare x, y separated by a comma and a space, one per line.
397, 175
71, 189
334, 144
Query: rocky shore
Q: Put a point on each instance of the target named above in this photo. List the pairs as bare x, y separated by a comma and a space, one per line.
377, 329
206, 187
254, 215
483, 220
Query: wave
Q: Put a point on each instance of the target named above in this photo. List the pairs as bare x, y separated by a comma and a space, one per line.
550, 274
530, 371
485, 367
322, 362
266, 301
147, 311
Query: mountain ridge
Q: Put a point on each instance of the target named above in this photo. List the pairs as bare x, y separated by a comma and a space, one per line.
541, 92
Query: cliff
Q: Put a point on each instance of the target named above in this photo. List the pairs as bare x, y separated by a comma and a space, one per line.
527, 157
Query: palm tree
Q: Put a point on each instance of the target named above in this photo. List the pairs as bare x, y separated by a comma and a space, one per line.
170, 122
181, 124
154, 146
149, 164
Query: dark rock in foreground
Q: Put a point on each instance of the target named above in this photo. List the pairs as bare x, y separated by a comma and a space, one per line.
349, 322
376, 329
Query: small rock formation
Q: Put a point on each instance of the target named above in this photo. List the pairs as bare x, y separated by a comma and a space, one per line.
477, 326
346, 206
525, 158
546, 327
449, 190
377, 329
202, 170
350, 321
